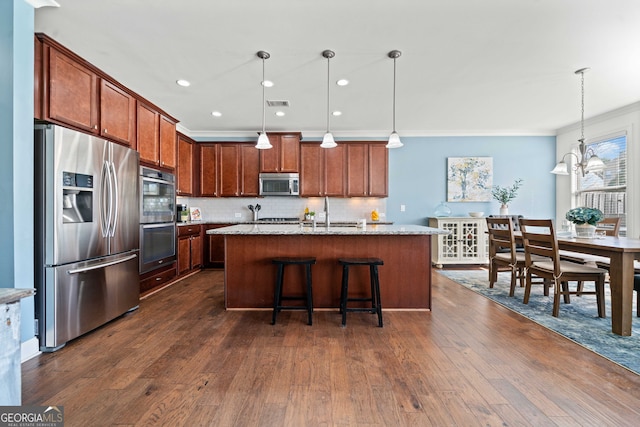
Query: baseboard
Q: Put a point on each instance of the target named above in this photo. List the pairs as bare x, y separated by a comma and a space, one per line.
29, 349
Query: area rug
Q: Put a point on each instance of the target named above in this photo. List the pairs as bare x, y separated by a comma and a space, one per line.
578, 320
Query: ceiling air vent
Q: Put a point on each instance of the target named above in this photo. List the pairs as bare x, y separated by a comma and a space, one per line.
277, 103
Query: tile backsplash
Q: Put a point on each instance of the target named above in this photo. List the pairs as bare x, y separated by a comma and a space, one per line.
223, 209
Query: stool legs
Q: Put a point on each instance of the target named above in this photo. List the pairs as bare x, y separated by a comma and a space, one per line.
278, 297
374, 283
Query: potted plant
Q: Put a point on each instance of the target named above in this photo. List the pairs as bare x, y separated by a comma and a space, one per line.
585, 220
506, 194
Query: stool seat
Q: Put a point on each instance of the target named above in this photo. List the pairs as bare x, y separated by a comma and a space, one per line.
376, 306
294, 260
278, 297
360, 261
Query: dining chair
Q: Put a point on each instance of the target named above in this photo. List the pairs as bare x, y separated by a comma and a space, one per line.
540, 239
611, 226
503, 252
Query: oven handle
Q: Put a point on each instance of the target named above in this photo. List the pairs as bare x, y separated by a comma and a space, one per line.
103, 265
159, 181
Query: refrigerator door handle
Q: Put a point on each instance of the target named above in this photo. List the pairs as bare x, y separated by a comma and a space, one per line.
102, 265
105, 201
114, 199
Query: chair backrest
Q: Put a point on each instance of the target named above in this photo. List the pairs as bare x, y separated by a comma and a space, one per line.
501, 237
611, 226
515, 219
539, 238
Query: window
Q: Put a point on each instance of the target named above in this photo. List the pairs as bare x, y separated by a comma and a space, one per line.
607, 189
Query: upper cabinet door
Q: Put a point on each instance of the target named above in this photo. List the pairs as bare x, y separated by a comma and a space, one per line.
290, 153
185, 167
208, 169
249, 166
167, 143
285, 154
148, 134
378, 170
117, 114
72, 93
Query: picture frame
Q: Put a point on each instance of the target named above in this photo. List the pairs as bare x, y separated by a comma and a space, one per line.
195, 214
469, 179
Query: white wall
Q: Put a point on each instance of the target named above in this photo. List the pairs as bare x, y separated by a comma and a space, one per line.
626, 119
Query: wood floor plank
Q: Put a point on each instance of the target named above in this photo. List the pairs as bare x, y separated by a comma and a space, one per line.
182, 360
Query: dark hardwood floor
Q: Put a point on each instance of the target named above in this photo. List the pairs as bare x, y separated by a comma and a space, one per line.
182, 360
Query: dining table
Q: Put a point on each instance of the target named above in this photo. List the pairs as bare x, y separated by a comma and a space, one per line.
621, 251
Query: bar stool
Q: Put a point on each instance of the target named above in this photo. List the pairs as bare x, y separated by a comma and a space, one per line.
278, 297
376, 306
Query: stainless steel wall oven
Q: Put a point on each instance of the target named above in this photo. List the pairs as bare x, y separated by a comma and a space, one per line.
157, 219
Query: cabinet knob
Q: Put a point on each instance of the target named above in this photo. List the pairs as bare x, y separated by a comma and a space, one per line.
158, 279
95, 126
105, 131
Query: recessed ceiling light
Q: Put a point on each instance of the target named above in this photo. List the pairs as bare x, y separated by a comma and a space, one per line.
183, 83
280, 113
267, 83
216, 113
337, 113
342, 82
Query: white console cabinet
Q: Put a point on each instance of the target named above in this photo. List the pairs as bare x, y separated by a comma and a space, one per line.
466, 244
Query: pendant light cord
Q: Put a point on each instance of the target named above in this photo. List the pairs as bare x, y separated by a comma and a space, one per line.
328, 90
394, 94
263, 100
582, 107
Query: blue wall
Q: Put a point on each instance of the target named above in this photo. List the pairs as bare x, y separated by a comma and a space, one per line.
16, 153
417, 175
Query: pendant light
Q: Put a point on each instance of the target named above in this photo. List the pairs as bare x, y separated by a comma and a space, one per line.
394, 138
263, 139
588, 161
327, 139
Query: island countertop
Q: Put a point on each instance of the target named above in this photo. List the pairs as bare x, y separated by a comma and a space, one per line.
320, 229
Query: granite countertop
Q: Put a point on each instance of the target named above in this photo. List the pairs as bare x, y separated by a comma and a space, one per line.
340, 223
10, 295
300, 229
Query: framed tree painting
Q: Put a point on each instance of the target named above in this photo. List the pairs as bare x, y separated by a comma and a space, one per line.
469, 179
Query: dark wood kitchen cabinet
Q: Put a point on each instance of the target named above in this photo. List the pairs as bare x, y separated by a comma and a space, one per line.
214, 247
156, 137
208, 155
238, 166
157, 277
285, 154
367, 169
322, 170
186, 167
117, 113
189, 248
72, 93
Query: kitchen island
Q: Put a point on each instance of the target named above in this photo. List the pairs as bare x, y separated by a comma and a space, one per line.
405, 277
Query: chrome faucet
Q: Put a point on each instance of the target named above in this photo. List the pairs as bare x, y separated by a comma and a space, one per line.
326, 211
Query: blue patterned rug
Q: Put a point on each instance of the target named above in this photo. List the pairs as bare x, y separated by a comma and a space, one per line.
578, 321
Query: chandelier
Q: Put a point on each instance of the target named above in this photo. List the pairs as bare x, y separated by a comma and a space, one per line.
587, 161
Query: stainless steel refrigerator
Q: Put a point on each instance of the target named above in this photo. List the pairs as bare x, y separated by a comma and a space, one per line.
87, 235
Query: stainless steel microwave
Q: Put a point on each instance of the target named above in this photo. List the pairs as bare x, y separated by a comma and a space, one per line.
279, 184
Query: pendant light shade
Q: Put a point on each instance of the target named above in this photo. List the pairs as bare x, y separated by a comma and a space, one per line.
327, 140
263, 139
394, 138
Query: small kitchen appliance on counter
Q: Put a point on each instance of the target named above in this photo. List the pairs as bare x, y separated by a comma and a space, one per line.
182, 213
